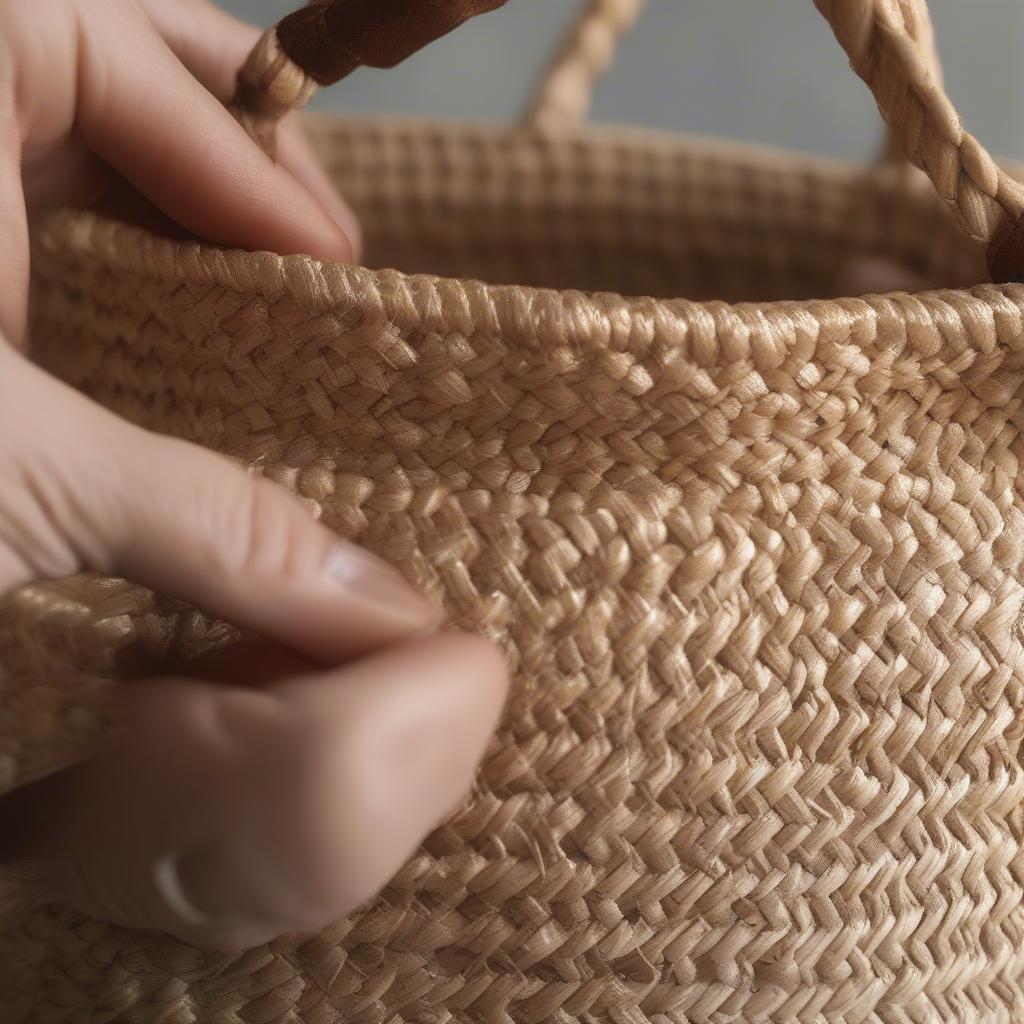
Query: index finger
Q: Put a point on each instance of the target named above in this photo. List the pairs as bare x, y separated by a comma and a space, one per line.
142, 112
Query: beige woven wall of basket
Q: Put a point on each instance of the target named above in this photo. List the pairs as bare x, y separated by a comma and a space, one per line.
757, 567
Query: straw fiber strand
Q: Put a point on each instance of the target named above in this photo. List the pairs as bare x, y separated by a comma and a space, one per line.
756, 566
269, 86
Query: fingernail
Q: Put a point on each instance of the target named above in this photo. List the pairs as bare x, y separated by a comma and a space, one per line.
167, 879
377, 585
202, 892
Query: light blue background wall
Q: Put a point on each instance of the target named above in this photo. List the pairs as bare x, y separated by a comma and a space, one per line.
763, 70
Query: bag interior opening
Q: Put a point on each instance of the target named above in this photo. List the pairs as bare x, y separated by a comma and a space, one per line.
640, 214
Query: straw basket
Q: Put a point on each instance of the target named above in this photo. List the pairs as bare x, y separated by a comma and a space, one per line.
756, 566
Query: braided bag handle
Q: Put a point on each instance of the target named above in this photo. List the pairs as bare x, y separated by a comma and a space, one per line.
890, 44
920, 27
565, 93
325, 41
986, 202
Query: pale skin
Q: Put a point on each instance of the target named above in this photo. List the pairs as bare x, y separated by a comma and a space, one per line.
283, 786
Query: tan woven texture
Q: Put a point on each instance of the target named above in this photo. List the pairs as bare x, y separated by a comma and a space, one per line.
757, 566
564, 96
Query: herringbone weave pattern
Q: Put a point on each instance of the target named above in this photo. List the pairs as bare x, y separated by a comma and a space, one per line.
757, 568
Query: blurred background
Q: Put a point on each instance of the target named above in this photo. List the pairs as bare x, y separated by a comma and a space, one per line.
762, 70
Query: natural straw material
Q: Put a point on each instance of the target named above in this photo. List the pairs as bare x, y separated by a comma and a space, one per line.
757, 568
565, 94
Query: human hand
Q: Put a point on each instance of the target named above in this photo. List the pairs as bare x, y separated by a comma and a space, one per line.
103, 98
226, 813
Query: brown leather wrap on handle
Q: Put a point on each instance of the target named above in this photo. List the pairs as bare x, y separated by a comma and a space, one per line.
329, 39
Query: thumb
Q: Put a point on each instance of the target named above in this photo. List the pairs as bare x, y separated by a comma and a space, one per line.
83, 489
231, 815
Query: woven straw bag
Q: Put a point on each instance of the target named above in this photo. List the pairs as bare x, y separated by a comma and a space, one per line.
757, 567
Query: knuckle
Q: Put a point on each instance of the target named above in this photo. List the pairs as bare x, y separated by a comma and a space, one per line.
34, 506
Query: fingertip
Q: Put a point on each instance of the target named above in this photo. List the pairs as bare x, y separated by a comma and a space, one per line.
412, 701
297, 155
321, 233
482, 680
